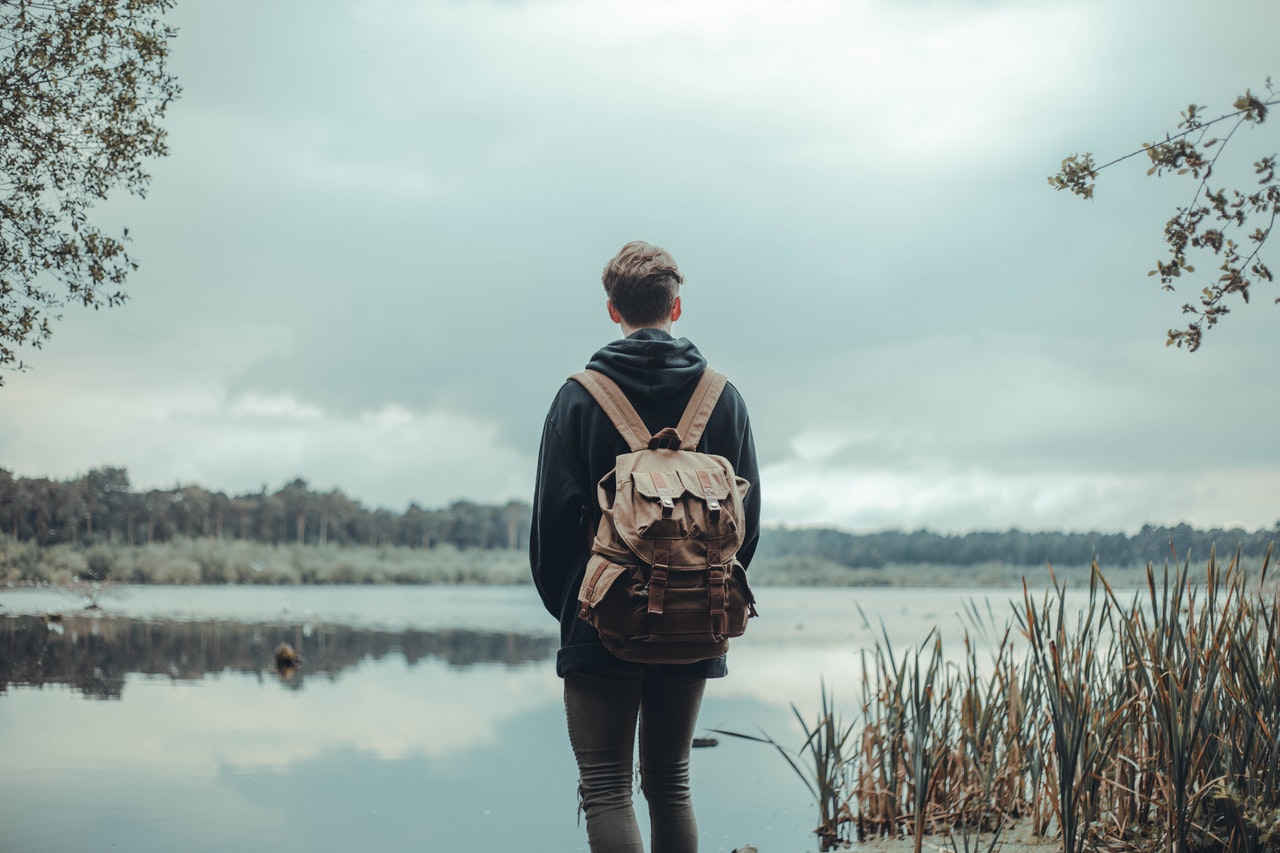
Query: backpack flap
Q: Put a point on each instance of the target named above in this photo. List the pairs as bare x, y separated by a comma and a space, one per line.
711, 486
684, 512
663, 499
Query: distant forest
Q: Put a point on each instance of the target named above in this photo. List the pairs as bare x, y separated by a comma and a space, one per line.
101, 507
1151, 544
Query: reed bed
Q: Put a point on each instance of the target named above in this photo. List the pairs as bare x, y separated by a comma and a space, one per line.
1096, 722
237, 561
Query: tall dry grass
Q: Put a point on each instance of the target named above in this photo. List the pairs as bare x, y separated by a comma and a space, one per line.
1104, 722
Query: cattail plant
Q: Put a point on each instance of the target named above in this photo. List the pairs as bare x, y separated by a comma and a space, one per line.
1151, 724
928, 741
1084, 711
1175, 646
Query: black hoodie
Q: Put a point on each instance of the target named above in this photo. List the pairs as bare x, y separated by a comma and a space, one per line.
580, 446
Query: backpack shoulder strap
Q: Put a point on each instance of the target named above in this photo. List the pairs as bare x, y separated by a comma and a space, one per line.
616, 405
698, 412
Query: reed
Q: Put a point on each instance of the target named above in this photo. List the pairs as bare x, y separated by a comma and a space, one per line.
1082, 700
823, 764
990, 710
1176, 646
1146, 724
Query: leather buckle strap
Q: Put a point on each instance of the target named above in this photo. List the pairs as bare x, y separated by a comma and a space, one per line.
657, 589
664, 494
658, 577
585, 611
713, 554
717, 597
708, 492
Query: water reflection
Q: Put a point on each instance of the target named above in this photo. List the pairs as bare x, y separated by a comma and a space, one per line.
420, 719
94, 654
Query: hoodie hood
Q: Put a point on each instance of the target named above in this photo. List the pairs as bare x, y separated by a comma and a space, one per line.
649, 364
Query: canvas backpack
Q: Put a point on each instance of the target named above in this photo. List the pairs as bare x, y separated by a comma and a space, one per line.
663, 584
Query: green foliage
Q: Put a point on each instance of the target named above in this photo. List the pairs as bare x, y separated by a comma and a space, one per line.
901, 557
100, 507
214, 561
83, 87
1230, 226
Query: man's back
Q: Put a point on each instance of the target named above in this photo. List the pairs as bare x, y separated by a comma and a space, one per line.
606, 697
580, 446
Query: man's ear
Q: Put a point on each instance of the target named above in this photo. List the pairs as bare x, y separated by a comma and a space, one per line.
676, 308
613, 312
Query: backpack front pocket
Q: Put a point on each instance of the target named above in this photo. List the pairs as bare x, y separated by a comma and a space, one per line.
658, 505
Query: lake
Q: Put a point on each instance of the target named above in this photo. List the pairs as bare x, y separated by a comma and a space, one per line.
421, 718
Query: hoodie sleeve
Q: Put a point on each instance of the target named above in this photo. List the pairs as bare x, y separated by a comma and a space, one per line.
557, 534
746, 466
729, 435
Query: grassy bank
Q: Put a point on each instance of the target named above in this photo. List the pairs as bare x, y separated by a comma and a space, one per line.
219, 561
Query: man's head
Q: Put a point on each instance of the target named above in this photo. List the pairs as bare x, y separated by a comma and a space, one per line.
643, 285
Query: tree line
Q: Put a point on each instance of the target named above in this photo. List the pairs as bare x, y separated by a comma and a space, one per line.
100, 506
1014, 547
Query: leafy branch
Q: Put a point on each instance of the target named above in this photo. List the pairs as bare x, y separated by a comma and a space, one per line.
1217, 222
84, 86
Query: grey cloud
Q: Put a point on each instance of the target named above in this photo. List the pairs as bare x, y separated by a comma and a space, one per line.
360, 213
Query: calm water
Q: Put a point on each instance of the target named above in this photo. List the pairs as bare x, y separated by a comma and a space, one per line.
422, 718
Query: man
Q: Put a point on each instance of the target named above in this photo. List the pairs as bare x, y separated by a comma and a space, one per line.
606, 697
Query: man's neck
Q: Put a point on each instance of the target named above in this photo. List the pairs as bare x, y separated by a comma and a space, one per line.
628, 331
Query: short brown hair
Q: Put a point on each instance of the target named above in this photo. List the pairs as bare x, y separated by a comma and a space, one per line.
642, 282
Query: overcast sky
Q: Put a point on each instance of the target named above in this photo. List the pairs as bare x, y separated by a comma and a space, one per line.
374, 251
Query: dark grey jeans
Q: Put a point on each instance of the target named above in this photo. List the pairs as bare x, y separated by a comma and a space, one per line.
603, 715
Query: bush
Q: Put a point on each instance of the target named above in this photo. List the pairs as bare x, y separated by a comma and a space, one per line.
217, 561
62, 564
